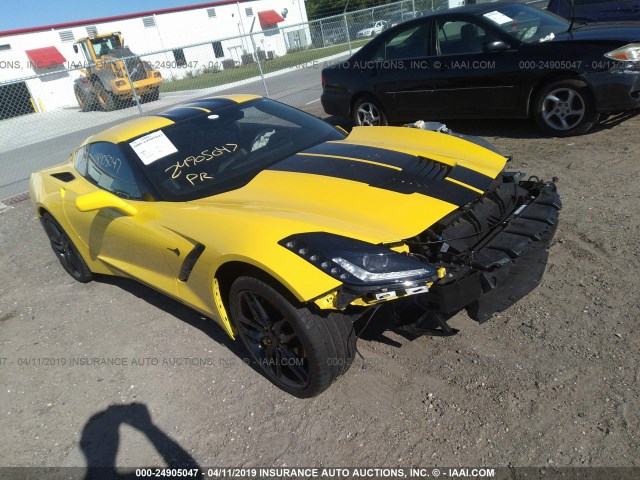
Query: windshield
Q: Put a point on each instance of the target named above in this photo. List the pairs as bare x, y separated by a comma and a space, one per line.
212, 153
526, 23
105, 45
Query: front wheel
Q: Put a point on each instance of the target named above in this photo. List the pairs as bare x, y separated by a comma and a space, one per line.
65, 250
105, 98
299, 351
367, 112
151, 97
564, 108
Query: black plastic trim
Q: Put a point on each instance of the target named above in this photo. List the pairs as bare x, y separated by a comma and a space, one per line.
189, 262
64, 176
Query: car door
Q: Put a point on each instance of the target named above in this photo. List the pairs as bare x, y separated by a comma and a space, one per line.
394, 70
138, 245
471, 76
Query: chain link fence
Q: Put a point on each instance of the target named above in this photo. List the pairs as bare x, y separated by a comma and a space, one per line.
43, 117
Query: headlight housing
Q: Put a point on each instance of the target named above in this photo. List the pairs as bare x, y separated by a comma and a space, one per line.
628, 53
628, 56
354, 262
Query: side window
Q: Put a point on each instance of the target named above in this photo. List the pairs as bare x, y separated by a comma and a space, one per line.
181, 60
217, 49
108, 168
411, 42
455, 38
80, 161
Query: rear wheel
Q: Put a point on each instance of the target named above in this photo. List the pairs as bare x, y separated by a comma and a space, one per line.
367, 112
65, 250
105, 99
299, 351
564, 108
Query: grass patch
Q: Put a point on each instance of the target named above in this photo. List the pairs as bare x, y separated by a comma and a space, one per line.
212, 79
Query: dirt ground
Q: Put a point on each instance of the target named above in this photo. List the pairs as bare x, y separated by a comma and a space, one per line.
553, 381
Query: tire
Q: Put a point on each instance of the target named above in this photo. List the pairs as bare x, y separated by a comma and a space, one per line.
299, 351
105, 99
564, 108
65, 250
154, 95
367, 112
86, 100
151, 97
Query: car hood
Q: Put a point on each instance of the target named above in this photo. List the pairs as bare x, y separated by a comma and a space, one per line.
378, 184
611, 31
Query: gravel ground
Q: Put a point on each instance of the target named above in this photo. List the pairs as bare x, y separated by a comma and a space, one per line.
553, 381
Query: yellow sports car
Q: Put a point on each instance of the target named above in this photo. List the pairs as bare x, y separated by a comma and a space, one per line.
285, 230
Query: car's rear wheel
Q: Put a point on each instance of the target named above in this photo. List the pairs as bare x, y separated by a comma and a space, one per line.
367, 112
301, 352
564, 108
65, 250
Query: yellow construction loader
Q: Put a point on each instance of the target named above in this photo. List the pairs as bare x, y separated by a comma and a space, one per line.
110, 70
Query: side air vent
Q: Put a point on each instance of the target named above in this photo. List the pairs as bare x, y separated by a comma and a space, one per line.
64, 176
190, 262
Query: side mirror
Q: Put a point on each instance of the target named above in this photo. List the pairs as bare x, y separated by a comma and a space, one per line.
498, 46
75, 47
102, 199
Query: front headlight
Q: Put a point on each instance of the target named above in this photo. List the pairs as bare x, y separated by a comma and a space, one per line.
355, 262
628, 53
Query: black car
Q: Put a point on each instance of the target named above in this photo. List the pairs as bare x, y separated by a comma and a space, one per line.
490, 60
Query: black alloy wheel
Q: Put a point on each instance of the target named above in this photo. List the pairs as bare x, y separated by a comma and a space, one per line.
65, 250
299, 351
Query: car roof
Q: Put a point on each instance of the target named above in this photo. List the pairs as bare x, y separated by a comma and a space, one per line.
140, 125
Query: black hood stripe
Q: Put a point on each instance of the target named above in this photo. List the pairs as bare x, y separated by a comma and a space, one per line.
471, 177
376, 176
408, 163
334, 167
387, 157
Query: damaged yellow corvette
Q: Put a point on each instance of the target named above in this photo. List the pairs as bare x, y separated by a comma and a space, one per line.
285, 230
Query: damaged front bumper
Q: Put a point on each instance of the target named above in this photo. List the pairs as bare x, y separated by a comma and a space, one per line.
507, 263
487, 254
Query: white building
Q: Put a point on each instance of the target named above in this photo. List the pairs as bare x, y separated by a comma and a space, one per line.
38, 65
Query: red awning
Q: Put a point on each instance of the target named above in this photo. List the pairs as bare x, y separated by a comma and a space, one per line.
269, 17
45, 57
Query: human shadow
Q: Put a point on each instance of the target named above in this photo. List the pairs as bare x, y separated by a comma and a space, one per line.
100, 441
